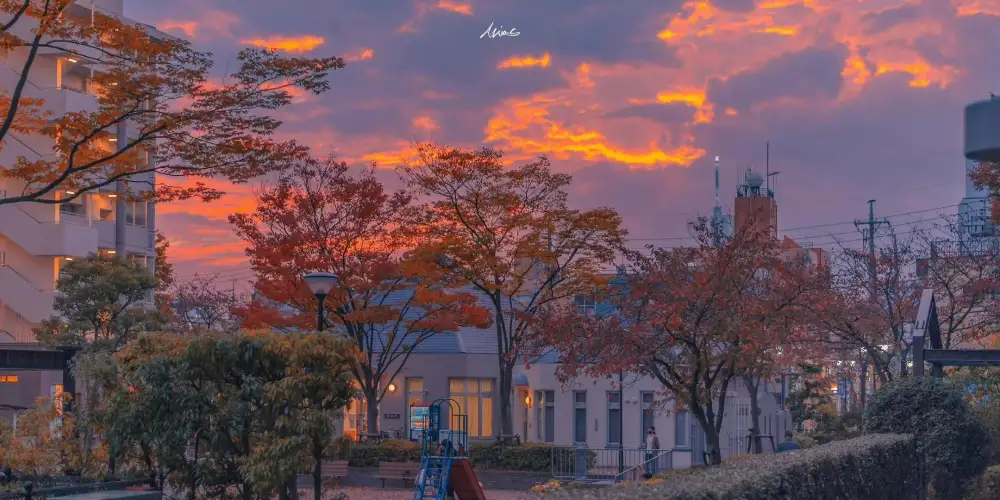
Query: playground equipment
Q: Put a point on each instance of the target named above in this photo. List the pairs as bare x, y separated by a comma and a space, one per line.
445, 471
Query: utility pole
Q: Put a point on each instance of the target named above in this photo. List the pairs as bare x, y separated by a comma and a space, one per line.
868, 229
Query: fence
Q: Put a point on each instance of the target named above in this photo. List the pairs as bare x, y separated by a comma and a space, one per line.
609, 464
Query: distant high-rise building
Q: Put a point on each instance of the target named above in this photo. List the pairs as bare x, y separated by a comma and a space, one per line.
722, 224
755, 206
982, 143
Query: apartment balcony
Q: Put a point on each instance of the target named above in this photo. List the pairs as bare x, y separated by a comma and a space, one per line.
46, 238
23, 296
69, 100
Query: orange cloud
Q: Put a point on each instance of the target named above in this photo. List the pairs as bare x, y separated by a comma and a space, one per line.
526, 62
214, 21
362, 55
189, 28
297, 44
425, 123
456, 7
528, 127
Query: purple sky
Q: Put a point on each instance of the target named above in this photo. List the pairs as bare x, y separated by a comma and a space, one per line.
859, 99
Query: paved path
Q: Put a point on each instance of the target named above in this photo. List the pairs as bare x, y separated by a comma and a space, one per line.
492, 480
355, 493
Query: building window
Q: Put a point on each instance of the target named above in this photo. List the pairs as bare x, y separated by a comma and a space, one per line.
614, 418
647, 415
73, 208
586, 304
356, 412
135, 213
8, 379
580, 417
414, 397
139, 259
550, 416
545, 416
681, 430
475, 400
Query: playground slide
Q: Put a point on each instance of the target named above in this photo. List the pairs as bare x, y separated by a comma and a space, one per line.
464, 481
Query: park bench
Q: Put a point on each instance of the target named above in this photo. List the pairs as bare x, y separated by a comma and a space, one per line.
334, 469
397, 471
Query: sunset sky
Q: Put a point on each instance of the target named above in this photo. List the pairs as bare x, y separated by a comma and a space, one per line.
859, 99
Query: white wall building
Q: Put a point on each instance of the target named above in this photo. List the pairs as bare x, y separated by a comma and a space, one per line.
36, 240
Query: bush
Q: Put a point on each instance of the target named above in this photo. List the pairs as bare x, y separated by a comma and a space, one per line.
390, 450
948, 436
874, 467
987, 487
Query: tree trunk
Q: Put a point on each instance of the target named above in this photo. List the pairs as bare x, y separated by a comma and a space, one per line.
712, 446
506, 400
371, 415
753, 387
863, 386
318, 473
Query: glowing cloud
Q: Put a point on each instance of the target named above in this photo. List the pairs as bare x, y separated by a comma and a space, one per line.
362, 55
526, 62
456, 7
297, 44
189, 28
425, 123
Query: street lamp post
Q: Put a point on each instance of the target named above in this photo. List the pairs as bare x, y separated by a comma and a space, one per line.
321, 284
621, 422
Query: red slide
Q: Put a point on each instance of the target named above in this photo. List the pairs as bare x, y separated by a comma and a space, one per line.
463, 480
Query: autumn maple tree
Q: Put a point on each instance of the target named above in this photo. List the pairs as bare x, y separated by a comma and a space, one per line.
509, 233
199, 306
693, 318
322, 216
155, 111
868, 308
962, 272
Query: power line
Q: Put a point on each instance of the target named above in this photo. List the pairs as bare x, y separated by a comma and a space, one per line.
815, 226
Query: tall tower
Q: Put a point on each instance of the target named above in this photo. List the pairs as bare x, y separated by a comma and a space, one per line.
722, 224
981, 144
755, 206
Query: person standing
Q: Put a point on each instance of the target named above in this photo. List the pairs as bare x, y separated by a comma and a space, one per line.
652, 451
788, 444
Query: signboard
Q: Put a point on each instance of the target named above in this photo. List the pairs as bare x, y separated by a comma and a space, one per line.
419, 417
391, 416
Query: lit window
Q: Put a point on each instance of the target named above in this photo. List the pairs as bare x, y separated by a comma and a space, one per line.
475, 400
8, 379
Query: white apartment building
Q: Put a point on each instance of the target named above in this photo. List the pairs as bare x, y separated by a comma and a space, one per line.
37, 240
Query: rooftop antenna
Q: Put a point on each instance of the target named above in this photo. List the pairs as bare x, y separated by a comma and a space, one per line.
767, 165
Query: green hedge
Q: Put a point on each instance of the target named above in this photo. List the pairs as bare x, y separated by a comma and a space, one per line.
987, 487
873, 467
526, 457
953, 444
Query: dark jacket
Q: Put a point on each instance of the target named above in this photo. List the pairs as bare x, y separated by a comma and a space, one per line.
788, 445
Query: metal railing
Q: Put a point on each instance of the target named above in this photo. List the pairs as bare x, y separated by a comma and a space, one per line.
607, 464
655, 462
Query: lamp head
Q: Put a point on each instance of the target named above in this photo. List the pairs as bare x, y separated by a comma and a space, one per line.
321, 283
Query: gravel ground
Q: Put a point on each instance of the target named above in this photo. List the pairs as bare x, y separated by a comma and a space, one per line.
398, 494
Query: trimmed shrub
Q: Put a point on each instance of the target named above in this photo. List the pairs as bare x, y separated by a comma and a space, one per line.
949, 438
987, 487
873, 467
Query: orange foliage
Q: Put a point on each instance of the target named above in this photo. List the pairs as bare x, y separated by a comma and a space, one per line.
321, 217
510, 234
692, 318
219, 131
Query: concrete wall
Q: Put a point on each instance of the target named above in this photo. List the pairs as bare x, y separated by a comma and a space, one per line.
30, 385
